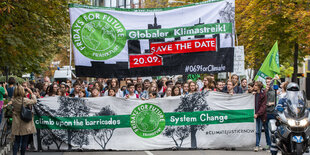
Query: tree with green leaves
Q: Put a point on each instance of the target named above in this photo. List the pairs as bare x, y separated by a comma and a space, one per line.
32, 33
260, 23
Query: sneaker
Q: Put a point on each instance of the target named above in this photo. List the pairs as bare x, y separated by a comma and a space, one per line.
256, 149
267, 147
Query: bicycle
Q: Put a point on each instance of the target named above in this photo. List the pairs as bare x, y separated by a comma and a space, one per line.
6, 125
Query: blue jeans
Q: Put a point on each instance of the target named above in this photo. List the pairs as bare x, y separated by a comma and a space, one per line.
23, 140
259, 125
1, 115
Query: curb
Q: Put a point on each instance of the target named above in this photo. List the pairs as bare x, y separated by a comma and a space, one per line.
6, 149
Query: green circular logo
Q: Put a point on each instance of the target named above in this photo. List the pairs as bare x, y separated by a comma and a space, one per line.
147, 120
98, 35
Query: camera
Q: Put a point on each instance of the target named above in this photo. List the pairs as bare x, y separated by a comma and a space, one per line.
25, 89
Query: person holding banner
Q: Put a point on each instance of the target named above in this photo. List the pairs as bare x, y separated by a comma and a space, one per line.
179, 85
138, 88
111, 92
76, 90
260, 113
185, 89
237, 89
146, 85
176, 91
152, 95
244, 85
95, 92
131, 91
192, 87
82, 93
235, 80
114, 84
229, 88
250, 88
207, 84
220, 86
168, 92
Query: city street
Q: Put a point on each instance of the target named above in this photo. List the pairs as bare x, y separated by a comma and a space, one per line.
237, 151
185, 152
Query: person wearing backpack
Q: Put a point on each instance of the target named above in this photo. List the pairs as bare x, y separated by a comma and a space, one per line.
21, 129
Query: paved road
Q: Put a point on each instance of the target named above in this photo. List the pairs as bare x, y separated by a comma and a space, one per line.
238, 151
185, 152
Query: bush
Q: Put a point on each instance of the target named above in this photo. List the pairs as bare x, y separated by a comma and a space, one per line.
17, 79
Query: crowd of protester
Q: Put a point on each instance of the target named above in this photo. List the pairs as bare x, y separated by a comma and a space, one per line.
148, 89
132, 87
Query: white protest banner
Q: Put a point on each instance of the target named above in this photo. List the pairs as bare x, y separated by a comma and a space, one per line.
200, 120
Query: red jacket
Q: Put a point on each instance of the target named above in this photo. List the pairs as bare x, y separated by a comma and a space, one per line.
262, 101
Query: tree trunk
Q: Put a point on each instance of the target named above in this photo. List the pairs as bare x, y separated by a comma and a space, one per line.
69, 140
193, 136
6, 71
294, 79
255, 72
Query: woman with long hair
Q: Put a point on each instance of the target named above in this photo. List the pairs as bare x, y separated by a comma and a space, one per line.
176, 91
99, 86
192, 87
21, 129
114, 84
52, 90
250, 88
139, 89
208, 84
153, 88
283, 86
168, 92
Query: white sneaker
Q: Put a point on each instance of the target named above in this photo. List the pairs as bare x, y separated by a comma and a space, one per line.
256, 149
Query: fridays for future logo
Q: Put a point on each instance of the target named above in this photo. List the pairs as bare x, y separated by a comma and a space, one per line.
147, 120
98, 35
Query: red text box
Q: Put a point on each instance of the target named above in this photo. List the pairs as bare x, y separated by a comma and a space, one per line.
188, 46
144, 60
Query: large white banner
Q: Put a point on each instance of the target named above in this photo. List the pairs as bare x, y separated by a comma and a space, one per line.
201, 120
139, 39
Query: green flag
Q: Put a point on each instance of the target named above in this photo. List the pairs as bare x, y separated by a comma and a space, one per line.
194, 77
270, 66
